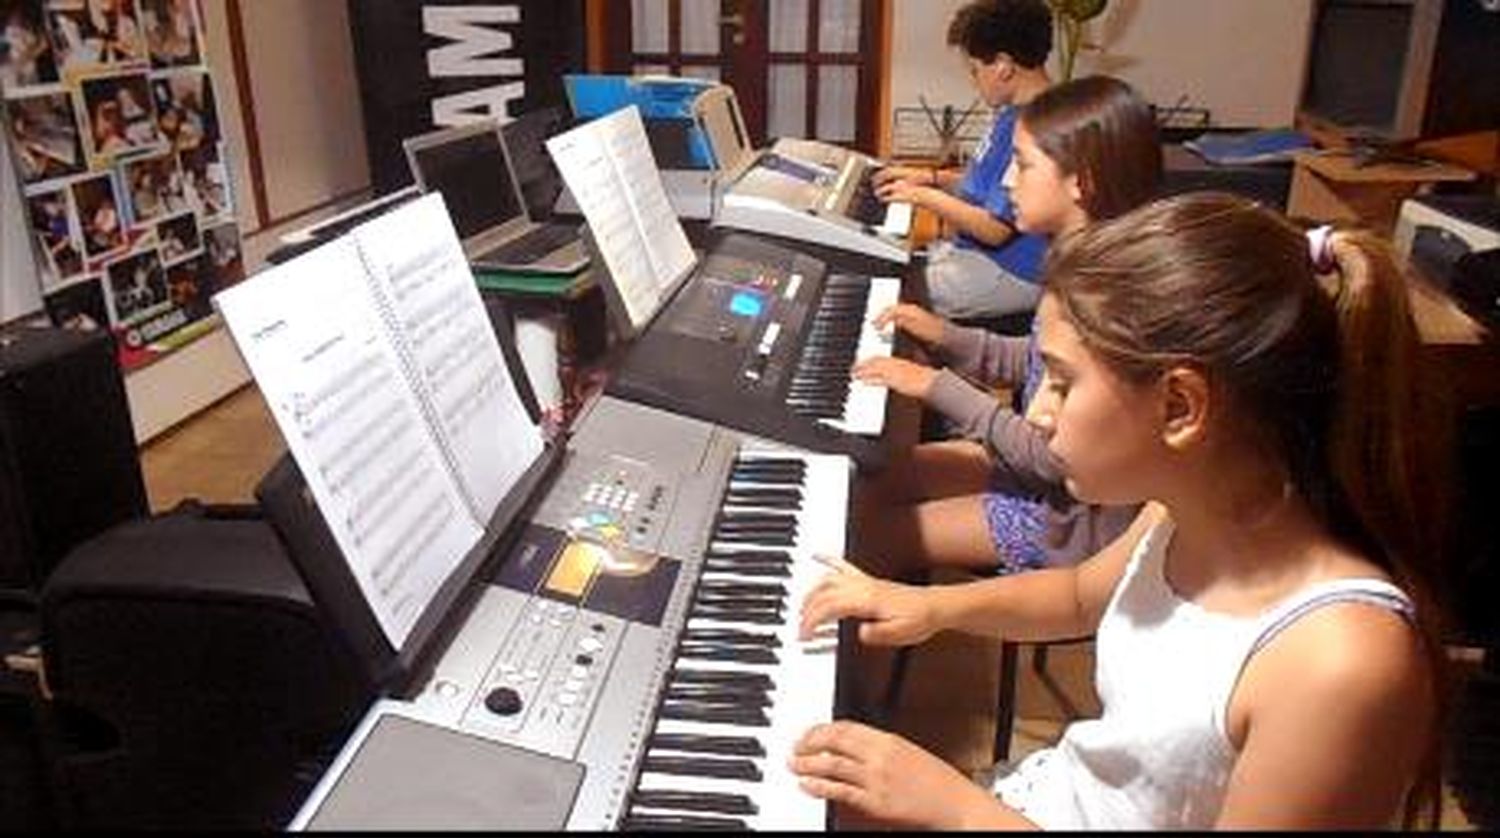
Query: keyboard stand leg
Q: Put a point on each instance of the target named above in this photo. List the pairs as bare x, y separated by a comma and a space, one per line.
891, 701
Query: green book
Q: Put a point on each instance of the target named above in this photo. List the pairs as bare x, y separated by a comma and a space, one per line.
537, 285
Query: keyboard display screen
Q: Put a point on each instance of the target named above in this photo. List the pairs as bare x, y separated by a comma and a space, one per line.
595, 568
793, 168
746, 304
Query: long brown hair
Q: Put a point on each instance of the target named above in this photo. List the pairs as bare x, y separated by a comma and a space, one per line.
1321, 368
1100, 129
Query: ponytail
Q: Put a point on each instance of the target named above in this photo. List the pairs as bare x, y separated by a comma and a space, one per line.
1383, 446
1375, 444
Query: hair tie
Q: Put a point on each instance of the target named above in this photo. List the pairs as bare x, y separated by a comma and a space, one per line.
1319, 249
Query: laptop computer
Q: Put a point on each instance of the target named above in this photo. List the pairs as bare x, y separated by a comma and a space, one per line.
470, 166
526, 142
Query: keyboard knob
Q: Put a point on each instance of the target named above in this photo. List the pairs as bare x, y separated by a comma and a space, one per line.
503, 701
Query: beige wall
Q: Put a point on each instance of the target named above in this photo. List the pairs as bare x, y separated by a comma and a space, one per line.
1244, 59
300, 65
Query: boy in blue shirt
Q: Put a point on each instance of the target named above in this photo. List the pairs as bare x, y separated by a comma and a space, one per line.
988, 268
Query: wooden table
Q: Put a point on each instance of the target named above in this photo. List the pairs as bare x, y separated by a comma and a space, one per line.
1332, 186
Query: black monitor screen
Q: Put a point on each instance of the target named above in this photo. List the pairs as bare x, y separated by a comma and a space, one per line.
470, 172
1357, 63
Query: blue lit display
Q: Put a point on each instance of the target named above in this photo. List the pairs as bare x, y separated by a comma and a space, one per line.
746, 304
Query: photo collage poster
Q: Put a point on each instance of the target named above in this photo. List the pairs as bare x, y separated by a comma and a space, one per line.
110, 112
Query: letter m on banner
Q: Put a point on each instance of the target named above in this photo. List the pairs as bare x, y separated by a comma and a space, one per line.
476, 47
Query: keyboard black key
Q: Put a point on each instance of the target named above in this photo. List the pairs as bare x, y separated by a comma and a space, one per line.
720, 676
739, 615
723, 769
688, 711
736, 495
755, 533
756, 604
681, 823
780, 539
691, 801
755, 589
711, 694
757, 467
749, 555
726, 654
739, 746
759, 571
719, 694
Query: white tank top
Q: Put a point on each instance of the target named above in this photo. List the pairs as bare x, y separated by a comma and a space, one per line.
1159, 756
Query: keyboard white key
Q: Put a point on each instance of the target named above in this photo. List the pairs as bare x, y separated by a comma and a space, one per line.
897, 220
803, 676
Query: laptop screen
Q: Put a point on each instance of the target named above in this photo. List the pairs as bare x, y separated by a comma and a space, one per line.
470, 172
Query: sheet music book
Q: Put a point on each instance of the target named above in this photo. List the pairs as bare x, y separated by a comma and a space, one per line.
384, 376
608, 167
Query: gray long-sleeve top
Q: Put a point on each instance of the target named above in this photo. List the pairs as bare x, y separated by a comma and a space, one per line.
1021, 463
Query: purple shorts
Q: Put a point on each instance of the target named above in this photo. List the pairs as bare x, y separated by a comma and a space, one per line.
1016, 527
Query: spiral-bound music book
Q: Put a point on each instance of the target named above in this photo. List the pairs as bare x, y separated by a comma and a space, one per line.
381, 369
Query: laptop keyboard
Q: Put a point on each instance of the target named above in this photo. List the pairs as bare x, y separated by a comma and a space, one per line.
532, 246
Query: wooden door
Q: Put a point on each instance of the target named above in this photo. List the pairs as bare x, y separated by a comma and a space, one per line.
800, 68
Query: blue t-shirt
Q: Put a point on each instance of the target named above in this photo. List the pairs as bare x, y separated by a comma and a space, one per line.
1021, 254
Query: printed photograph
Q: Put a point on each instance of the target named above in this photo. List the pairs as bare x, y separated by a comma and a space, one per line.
56, 234
136, 286
190, 287
171, 28
119, 115
221, 251
79, 305
45, 135
89, 34
26, 56
98, 215
206, 181
185, 111
177, 238
155, 187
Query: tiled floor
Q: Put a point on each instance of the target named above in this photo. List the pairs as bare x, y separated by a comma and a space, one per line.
220, 455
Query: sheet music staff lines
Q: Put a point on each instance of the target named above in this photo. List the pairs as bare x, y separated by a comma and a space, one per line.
368, 446
381, 496
412, 275
409, 546
365, 379
434, 316
463, 410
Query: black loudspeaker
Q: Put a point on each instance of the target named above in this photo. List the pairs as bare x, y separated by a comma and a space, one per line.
194, 683
68, 463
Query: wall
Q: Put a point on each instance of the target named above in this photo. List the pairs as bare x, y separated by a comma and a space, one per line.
307, 109
1243, 59
304, 96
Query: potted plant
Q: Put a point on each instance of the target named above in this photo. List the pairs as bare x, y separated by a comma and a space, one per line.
1069, 17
